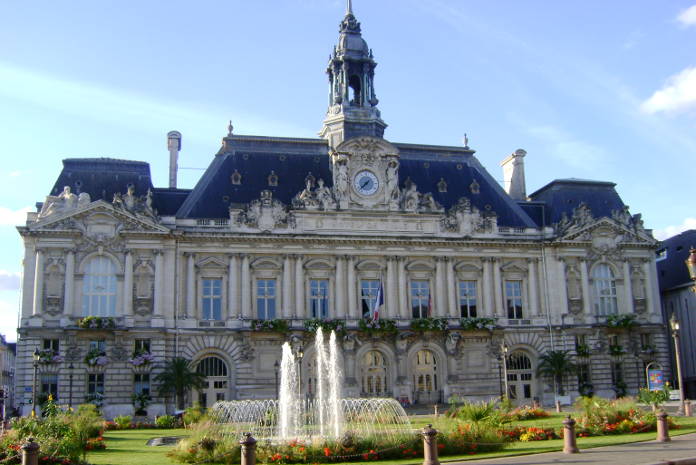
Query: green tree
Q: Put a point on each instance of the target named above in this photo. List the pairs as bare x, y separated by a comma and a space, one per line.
178, 378
556, 364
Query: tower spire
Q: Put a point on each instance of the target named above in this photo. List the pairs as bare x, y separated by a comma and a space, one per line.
352, 108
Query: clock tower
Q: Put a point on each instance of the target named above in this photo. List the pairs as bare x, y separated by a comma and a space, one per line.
352, 110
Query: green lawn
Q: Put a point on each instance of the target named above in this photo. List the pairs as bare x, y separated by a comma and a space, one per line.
129, 447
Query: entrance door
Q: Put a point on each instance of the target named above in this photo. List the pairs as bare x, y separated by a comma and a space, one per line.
374, 375
215, 387
520, 379
425, 379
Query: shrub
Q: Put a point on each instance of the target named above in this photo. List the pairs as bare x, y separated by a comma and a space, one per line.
193, 414
654, 398
123, 421
479, 412
166, 421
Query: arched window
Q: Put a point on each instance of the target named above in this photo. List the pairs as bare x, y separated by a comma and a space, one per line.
520, 378
216, 387
604, 287
374, 374
99, 287
212, 366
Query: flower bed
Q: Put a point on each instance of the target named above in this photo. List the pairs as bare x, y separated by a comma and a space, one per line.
525, 413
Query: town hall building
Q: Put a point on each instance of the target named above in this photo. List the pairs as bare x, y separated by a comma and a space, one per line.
281, 236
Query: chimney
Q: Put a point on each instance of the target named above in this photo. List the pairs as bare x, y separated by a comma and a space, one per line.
513, 175
174, 146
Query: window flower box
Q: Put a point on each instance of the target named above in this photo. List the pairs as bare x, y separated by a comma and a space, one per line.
96, 358
96, 322
477, 323
49, 357
429, 324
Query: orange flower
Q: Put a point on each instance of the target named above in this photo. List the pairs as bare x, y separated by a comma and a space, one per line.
327, 451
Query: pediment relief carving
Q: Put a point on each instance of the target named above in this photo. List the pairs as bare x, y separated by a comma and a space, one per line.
264, 213
211, 262
603, 232
466, 219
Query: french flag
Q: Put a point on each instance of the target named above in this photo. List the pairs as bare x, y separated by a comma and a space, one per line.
379, 303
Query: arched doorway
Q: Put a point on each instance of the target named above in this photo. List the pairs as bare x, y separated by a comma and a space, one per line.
374, 375
425, 377
216, 385
520, 378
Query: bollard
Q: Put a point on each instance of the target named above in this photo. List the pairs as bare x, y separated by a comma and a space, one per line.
558, 406
430, 446
570, 445
248, 450
436, 412
662, 428
30, 452
687, 408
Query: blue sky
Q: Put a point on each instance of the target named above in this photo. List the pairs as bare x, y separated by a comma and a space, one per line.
591, 89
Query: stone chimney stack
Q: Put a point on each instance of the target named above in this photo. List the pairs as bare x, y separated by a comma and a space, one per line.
513, 175
174, 146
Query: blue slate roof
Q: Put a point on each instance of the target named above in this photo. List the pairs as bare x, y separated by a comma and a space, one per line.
564, 195
671, 270
292, 160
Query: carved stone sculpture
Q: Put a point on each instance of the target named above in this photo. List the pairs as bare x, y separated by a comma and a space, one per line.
63, 202
137, 205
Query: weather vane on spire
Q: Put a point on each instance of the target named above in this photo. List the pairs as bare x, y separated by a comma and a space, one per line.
229, 129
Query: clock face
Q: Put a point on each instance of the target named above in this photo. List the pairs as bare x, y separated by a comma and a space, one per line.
366, 183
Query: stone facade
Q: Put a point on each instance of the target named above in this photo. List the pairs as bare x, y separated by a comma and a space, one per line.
310, 231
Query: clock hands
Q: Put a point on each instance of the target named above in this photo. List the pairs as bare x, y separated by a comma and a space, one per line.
363, 185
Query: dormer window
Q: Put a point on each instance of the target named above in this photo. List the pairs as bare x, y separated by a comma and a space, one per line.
236, 178
272, 179
442, 185
474, 187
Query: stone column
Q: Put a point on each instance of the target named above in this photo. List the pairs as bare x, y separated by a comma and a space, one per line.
287, 288
439, 307
533, 290
190, 285
340, 287
352, 289
498, 310
586, 296
488, 309
392, 299
451, 289
233, 287
560, 282
650, 287
68, 293
127, 284
159, 273
403, 289
246, 288
38, 282
628, 291
300, 307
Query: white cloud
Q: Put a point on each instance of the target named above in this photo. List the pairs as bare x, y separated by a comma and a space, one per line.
669, 231
9, 280
566, 147
8, 319
688, 16
678, 94
10, 217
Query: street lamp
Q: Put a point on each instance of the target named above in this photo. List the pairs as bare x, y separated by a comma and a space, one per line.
504, 351
674, 324
276, 365
36, 356
300, 355
71, 367
691, 266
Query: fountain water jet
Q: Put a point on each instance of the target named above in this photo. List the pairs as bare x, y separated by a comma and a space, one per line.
327, 415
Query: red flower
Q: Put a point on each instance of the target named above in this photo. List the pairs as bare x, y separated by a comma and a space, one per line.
365, 457
327, 451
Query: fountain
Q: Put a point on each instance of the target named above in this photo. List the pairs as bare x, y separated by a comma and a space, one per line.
327, 415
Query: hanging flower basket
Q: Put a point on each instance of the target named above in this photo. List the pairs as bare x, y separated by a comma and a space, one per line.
96, 358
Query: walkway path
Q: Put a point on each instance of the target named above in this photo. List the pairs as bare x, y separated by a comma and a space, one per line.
637, 453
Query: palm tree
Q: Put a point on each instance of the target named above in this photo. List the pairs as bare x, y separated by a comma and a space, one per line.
556, 364
178, 378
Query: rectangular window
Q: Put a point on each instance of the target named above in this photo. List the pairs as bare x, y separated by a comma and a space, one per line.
99, 345
467, 299
368, 295
49, 385
95, 385
421, 304
52, 344
583, 372
266, 299
212, 299
141, 383
142, 346
616, 373
319, 298
513, 297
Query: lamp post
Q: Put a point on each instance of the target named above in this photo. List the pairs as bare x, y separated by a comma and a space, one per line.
691, 266
674, 324
504, 351
36, 356
276, 365
71, 367
300, 355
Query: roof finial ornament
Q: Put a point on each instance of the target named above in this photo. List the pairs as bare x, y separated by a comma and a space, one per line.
466, 141
349, 8
229, 129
